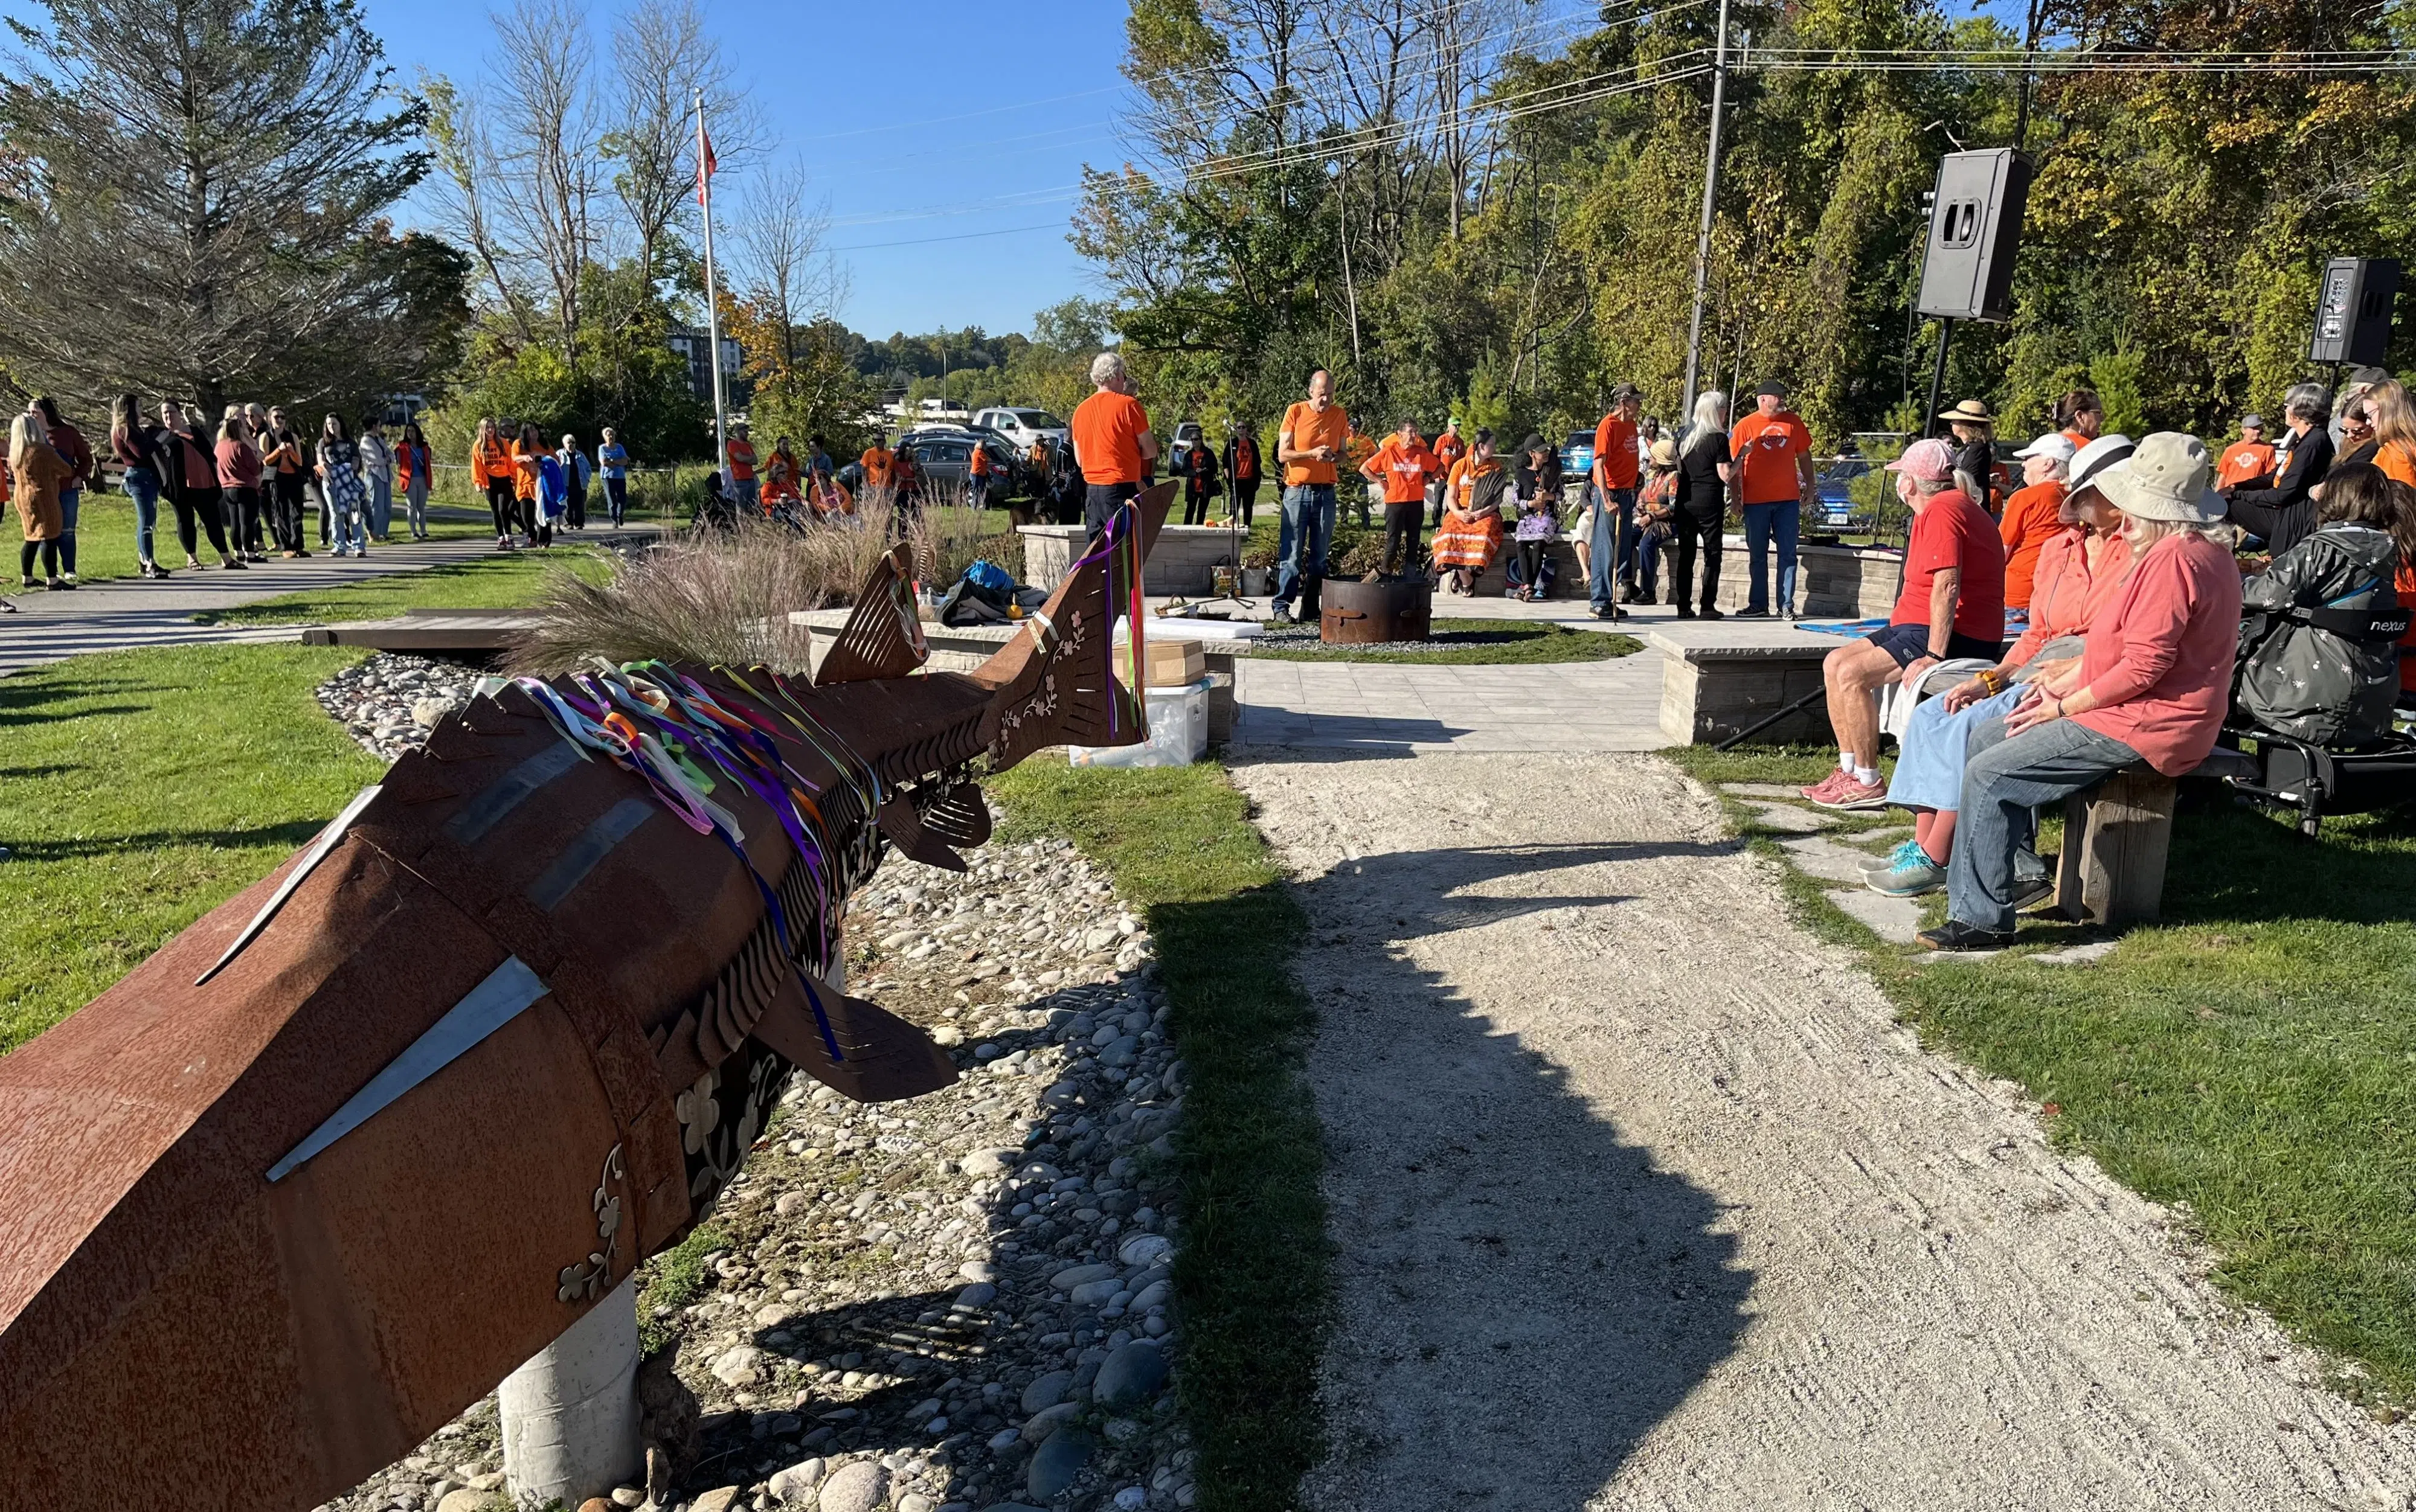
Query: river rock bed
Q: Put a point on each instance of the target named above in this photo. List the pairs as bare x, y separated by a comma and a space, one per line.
954, 1303
390, 702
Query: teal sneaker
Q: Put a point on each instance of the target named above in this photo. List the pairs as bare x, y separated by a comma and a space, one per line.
1907, 850
1909, 877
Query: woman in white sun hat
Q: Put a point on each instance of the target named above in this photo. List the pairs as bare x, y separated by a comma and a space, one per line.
2152, 684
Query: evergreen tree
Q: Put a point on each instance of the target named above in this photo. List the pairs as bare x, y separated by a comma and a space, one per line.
198, 207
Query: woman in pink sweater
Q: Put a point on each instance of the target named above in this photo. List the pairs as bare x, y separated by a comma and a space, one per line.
2151, 685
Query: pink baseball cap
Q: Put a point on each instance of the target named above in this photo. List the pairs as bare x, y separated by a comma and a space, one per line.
1929, 460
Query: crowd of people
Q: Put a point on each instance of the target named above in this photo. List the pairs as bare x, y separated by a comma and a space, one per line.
2119, 608
247, 484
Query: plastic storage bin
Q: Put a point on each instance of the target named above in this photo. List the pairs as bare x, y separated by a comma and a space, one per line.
1178, 733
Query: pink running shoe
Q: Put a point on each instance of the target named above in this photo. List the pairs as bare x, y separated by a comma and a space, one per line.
1848, 793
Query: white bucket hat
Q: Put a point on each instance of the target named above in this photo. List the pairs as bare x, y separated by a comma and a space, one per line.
2164, 479
2055, 444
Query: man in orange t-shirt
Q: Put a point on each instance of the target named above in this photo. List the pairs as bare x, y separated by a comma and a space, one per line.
1773, 453
880, 466
744, 487
2247, 462
1314, 431
1614, 477
1113, 443
1405, 467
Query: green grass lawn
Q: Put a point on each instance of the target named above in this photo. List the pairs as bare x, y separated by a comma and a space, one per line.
139, 791
2251, 1059
1252, 1272
501, 581
1480, 643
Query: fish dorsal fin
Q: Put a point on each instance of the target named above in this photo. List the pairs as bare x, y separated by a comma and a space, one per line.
883, 638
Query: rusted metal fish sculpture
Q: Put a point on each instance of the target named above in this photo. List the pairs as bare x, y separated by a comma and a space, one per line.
340, 1157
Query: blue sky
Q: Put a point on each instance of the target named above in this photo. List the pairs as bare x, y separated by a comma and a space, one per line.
863, 95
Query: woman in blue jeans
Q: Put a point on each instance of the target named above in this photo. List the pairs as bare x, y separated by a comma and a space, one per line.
139, 451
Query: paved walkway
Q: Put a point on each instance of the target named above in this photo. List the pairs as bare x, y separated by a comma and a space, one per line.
1398, 710
130, 613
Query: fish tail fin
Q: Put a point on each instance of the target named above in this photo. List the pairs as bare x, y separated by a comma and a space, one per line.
1055, 683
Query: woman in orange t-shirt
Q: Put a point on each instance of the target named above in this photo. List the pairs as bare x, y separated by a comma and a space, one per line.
492, 470
527, 453
1471, 534
2033, 516
2394, 439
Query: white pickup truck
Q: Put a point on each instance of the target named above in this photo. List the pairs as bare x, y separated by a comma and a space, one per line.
1025, 426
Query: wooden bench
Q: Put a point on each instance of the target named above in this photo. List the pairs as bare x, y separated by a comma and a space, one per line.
2115, 837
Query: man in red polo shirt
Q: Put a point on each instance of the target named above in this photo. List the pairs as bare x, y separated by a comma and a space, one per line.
1773, 457
1953, 606
1614, 482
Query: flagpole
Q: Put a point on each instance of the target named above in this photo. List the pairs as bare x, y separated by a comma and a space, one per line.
711, 300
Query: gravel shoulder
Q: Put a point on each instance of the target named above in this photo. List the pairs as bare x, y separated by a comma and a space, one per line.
1641, 1198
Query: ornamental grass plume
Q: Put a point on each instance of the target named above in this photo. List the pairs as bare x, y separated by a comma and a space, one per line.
706, 596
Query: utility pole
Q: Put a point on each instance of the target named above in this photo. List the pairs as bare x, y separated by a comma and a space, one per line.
1711, 201
2023, 104
704, 166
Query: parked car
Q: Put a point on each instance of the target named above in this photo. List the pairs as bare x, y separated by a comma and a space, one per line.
1023, 426
941, 458
1577, 456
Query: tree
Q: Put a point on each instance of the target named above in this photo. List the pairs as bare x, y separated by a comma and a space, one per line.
199, 207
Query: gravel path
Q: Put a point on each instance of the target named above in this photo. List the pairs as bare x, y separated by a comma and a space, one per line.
1643, 1200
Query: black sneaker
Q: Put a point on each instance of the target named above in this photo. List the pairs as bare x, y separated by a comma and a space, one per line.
2031, 889
1684, 613
1955, 935
1753, 614
1710, 613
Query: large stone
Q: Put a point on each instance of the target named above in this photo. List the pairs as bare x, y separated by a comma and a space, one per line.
738, 1367
1058, 1463
1073, 1275
984, 1164
1047, 1391
1145, 1249
1132, 1375
1095, 1293
713, 1500
857, 1487
795, 1486
1044, 1425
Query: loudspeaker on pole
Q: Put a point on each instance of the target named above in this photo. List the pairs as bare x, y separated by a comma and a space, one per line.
2354, 310
1975, 227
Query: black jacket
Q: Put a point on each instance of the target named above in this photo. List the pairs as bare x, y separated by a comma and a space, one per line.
2284, 514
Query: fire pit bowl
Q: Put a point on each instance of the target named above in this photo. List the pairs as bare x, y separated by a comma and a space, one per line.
1355, 613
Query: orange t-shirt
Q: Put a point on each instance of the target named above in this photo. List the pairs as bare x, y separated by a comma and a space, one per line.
2032, 520
1766, 447
1404, 469
742, 461
489, 460
1614, 452
1461, 489
880, 466
1308, 431
977, 461
524, 465
1107, 429
2397, 461
2243, 461
1448, 449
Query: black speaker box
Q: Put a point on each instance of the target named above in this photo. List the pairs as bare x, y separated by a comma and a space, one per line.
1974, 228
2354, 310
